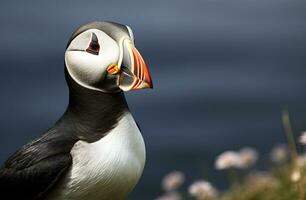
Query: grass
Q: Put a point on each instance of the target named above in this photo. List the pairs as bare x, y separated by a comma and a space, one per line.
286, 179
279, 186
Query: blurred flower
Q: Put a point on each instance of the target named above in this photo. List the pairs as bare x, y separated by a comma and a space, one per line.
173, 180
260, 178
170, 196
302, 138
279, 153
296, 175
247, 157
202, 190
301, 160
227, 159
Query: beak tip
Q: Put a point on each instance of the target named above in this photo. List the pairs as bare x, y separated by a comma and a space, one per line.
139, 71
148, 85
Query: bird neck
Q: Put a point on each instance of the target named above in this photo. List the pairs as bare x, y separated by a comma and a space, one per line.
93, 113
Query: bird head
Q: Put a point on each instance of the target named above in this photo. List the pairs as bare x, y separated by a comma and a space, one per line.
102, 56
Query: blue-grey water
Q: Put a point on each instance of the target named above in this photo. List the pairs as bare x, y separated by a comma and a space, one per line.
222, 71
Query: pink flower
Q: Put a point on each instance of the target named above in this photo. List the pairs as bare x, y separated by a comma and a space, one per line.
227, 159
261, 178
202, 190
279, 153
173, 180
301, 160
170, 196
248, 157
302, 138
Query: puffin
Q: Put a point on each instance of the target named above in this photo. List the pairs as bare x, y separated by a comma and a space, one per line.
95, 151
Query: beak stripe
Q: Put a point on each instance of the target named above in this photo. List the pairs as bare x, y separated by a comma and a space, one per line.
139, 66
141, 76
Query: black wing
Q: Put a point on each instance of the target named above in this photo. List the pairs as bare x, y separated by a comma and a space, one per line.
33, 170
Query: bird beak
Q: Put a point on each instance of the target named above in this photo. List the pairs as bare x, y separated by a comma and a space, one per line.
134, 73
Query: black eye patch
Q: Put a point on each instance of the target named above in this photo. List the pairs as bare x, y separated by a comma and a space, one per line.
94, 46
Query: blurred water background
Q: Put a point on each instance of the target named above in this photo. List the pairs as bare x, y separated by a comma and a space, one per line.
222, 71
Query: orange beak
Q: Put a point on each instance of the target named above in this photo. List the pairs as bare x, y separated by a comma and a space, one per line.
142, 75
134, 73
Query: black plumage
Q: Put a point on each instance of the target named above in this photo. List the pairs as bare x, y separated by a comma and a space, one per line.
33, 170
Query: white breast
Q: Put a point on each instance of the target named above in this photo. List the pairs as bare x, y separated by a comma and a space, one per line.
107, 169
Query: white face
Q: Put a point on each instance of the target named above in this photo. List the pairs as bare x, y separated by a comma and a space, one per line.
88, 56
107, 60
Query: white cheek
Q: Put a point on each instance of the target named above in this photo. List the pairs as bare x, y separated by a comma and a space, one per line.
88, 69
84, 67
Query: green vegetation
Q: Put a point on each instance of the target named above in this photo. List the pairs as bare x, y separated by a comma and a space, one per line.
286, 179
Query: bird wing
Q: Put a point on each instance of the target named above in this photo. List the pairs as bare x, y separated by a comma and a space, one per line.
32, 182
33, 170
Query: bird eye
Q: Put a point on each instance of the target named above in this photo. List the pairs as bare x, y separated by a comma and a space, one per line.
94, 46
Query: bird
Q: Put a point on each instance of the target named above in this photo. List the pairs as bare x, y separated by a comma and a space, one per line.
95, 151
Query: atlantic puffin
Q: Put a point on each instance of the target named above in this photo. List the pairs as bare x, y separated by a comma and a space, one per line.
95, 151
